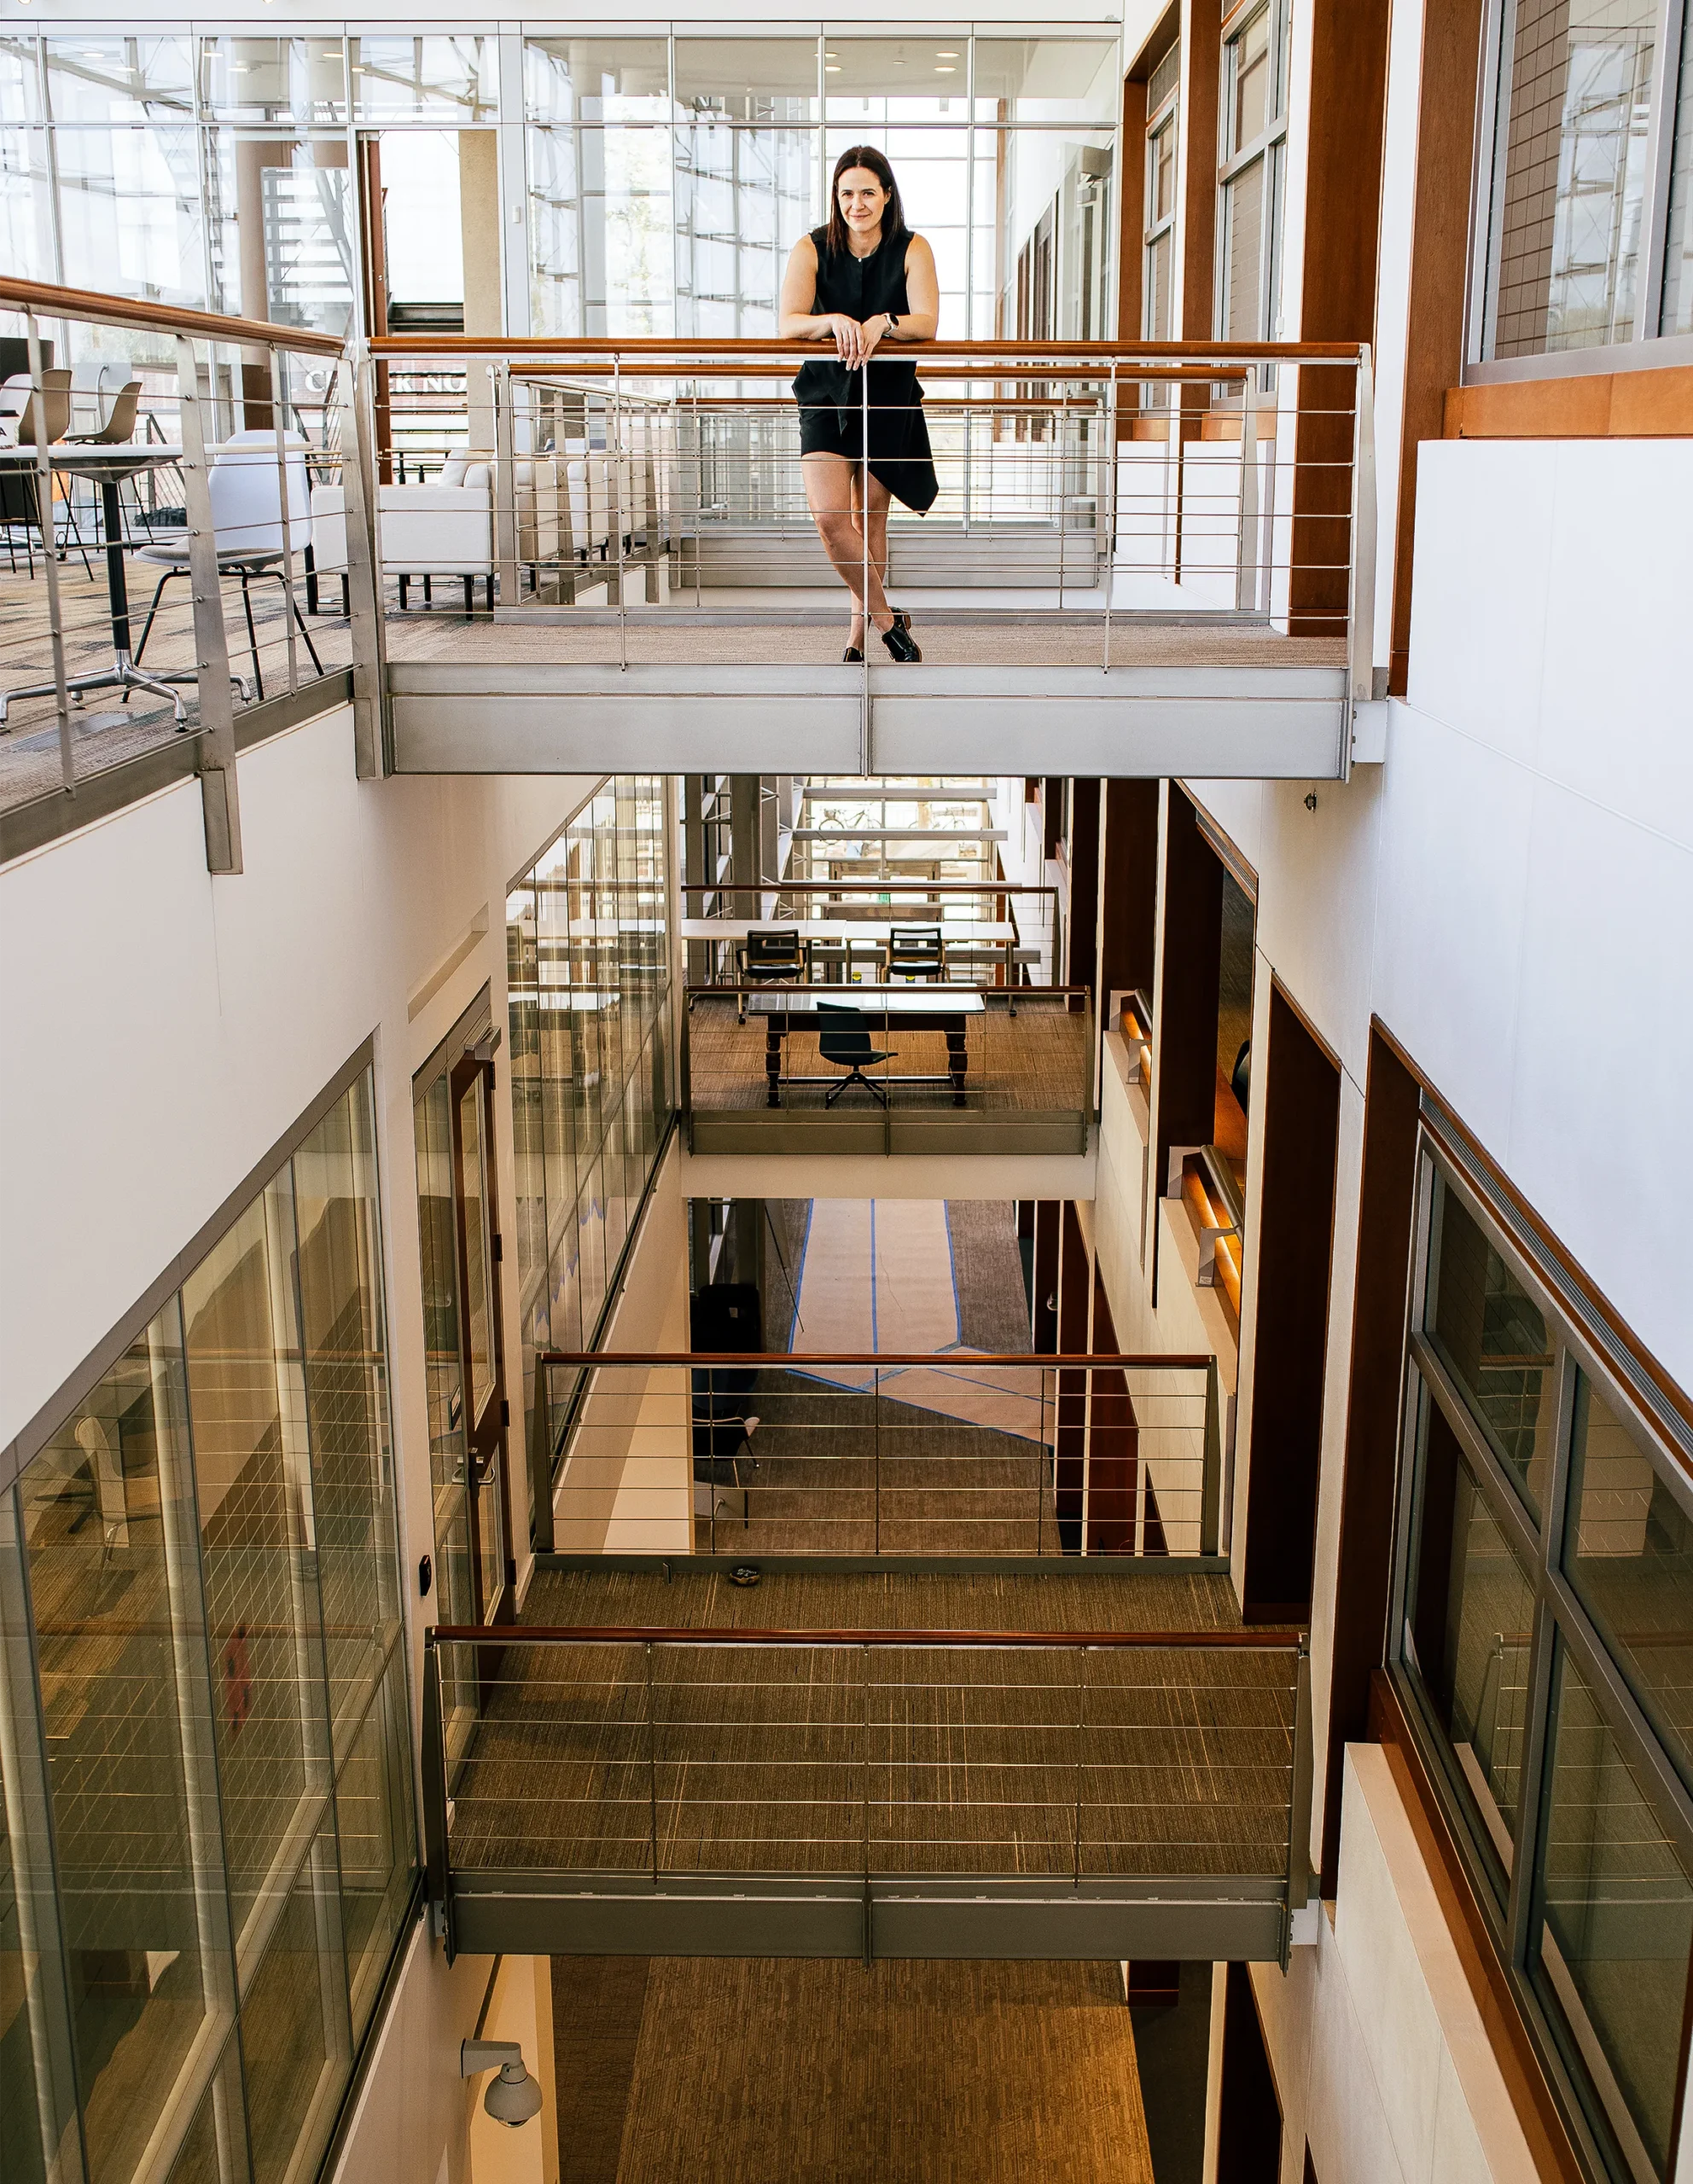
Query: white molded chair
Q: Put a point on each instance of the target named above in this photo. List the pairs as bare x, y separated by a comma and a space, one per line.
246, 521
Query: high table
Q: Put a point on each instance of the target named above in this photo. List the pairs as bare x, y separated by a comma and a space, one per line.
106, 466
990, 938
909, 1008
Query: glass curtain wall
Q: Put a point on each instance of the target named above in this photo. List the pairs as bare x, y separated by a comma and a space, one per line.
208, 1840
588, 947
1544, 1648
670, 178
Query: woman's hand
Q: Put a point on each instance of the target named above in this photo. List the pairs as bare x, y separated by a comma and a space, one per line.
848, 337
872, 333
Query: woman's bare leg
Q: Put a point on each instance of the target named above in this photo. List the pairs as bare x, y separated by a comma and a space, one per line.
880, 501
829, 496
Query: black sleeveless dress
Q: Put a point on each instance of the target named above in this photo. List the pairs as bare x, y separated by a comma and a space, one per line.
831, 399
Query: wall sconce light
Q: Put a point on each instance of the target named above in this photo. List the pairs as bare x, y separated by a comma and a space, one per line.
513, 2096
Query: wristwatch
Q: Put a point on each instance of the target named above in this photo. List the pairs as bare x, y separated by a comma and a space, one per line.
892, 321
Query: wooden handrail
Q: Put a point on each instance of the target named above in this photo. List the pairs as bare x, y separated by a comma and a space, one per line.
1021, 354
522, 1634
1113, 1361
48, 301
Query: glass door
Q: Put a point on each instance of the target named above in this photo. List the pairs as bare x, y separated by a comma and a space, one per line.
471, 1085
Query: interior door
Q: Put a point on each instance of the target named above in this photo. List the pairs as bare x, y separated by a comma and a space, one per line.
475, 1200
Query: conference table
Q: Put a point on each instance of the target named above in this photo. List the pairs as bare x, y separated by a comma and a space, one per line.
105, 465
789, 1009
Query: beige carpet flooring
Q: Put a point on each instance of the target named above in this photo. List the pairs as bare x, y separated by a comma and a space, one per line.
1034, 1062
760, 2071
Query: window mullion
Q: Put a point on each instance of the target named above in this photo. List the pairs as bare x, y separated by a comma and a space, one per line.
1649, 310
1504, 1502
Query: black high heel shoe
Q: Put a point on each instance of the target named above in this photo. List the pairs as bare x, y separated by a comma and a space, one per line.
900, 642
853, 656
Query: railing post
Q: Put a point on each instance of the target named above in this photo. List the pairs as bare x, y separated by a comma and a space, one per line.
505, 486
1299, 1798
44, 488
371, 751
1211, 1471
290, 612
876, 1429
1081, 1739
215, 747
652, 1768
869, 1929
1361, 574
434, 1757
1246, 554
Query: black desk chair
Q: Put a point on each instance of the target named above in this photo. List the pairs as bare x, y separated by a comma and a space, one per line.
843, 1041
915, 951
774, 956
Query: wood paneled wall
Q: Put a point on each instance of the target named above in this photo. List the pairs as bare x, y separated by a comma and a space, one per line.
1387, 1214
1348, 102
1439, 252
1294, 1249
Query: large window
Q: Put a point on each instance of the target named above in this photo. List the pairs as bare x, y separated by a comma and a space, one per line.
587, 931
1158, 237
208, 1840
1252, 151
1583, 237
1543, 1642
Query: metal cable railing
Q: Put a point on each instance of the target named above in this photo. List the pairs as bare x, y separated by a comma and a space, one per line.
950, 1455
1011, 1756
178, 451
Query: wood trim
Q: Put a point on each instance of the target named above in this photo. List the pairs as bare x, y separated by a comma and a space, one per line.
1593, 1299
1633, 405
636, 1634
1439, 260
1202, 63
1348, 109
1387, 1219
1080, 1359
1300, 1104
1128, 887
47, 301
1536, 2106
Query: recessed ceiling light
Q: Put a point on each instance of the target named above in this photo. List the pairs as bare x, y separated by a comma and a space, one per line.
831, 68
946, 57
942, 69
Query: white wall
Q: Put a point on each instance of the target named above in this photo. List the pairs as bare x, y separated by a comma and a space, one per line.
1509, 892
176, 1026
1380, 2057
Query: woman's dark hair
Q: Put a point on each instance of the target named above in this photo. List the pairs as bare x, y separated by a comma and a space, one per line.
894, 214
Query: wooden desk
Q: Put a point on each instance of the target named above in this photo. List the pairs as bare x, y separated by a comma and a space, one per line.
911, 1008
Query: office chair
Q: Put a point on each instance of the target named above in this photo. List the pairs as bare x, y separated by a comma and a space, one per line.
42, 419
774, 956
246, 523
120, 425
846, 1044
915, 951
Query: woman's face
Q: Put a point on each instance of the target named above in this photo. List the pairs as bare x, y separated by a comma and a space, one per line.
863, 201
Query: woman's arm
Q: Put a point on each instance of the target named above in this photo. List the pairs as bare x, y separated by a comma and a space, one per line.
795, 320
922, 291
